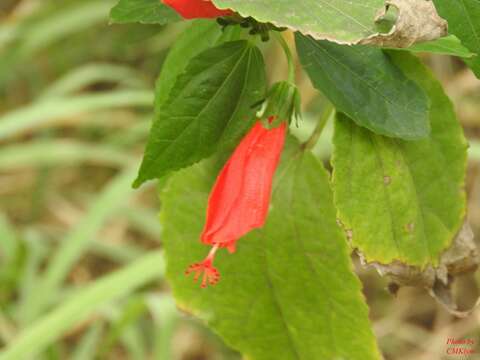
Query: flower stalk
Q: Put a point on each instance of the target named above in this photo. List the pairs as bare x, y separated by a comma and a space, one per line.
313, 139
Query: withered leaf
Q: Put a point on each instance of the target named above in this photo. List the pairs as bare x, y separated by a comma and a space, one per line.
417, 21
460, 258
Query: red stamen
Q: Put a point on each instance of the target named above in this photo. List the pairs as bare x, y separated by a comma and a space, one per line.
210, 273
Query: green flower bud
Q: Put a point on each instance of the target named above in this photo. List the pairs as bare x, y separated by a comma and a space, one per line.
283, 103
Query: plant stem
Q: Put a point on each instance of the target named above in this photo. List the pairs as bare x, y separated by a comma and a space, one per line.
313, 139
289, 56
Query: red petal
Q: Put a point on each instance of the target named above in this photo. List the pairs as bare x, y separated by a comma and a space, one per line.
228, 186
240, 197
193, 9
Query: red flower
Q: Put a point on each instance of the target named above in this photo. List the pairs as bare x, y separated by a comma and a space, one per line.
193, 9
240, 197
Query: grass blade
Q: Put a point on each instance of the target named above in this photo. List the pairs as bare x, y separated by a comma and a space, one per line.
43, 113
60, 152
49, 328
77, 242
89, 74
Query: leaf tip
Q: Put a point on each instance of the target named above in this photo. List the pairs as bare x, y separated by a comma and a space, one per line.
138, 182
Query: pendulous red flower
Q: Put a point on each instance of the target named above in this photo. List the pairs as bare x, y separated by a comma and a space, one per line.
240, 198
194, 9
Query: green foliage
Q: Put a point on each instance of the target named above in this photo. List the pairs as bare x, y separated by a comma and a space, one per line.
289, 291
76, 100
210, 107
143, 11
463, 18
448, 45
200, 36
74, 111
402, 200
340, 20
364, 83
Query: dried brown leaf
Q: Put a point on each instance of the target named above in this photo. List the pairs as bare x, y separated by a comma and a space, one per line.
462, 257
417, 21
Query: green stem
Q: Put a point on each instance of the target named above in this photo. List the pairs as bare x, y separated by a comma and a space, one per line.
289, 56
313, 139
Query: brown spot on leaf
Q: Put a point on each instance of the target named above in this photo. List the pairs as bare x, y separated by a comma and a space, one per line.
410, 227
349, 233
393, 288
387, 180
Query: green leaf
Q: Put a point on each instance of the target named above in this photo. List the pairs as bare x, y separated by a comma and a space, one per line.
210, 108
339, 20
289, 291
143, 11
463, 18
200, 36
363, 82
448, 45
402, 200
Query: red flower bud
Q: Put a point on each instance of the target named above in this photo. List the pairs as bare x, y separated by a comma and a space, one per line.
240, 197
193, 9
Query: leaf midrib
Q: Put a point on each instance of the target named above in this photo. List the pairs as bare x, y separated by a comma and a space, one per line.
309, 262
295, 161
474, 30
347, 16
381, 165
267, 273
172, 143
361, 79
242, 92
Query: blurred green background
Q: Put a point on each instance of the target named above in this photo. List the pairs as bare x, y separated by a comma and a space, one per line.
81, 266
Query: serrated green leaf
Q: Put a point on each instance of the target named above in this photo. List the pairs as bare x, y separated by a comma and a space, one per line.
402, 200
363, 82
463, 18
289, 292
210, 108
339, 20
143, 11
200, 36
448, 45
